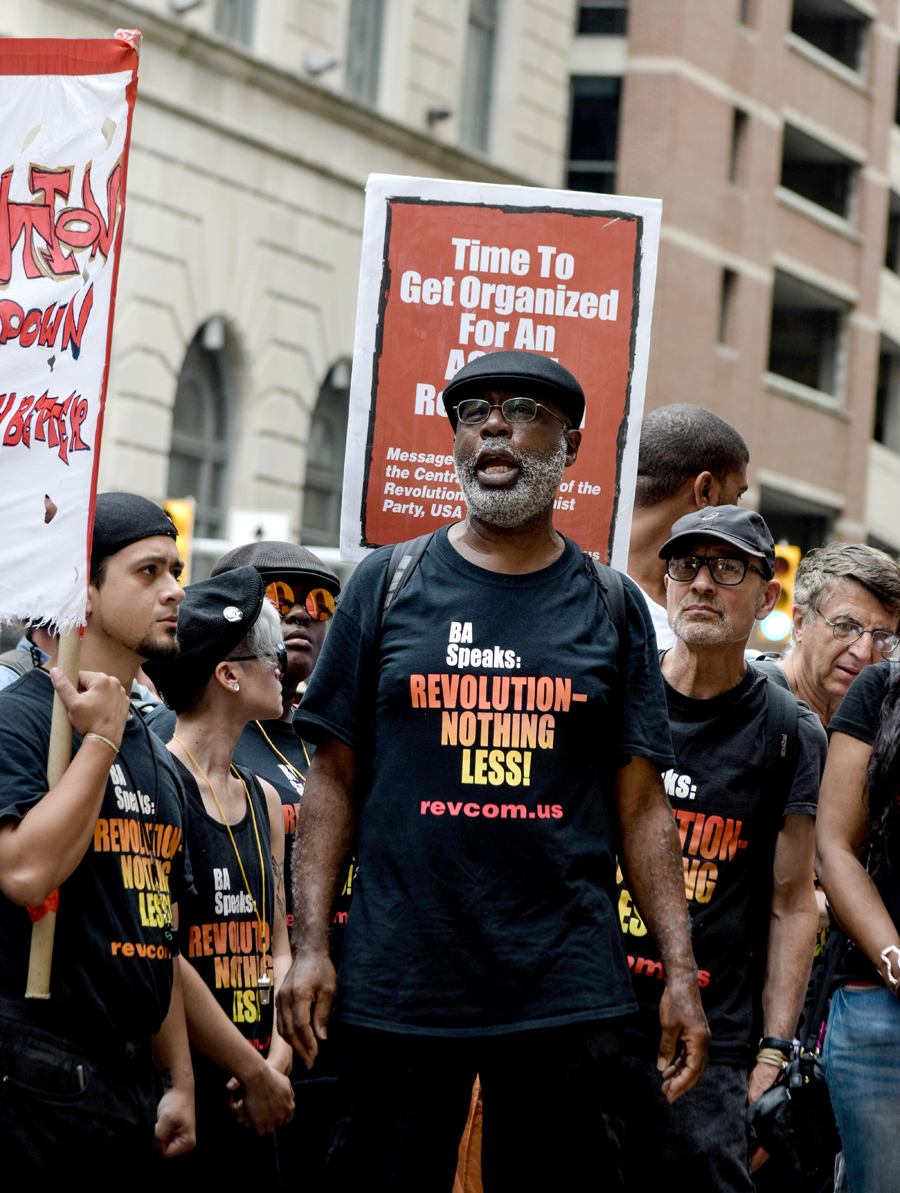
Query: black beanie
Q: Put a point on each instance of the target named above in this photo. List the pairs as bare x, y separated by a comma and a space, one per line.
121, 519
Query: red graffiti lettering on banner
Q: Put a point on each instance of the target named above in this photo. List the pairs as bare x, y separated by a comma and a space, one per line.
42, 327
47, 417
47, 233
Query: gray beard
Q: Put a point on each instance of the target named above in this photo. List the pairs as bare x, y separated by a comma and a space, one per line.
534, 490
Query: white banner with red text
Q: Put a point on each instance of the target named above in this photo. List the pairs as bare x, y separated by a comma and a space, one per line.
65, 124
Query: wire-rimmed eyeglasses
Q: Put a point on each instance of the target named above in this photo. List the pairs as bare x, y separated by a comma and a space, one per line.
472, 411
849, 631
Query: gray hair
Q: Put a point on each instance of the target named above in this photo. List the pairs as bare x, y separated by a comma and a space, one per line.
264, 636
825, 567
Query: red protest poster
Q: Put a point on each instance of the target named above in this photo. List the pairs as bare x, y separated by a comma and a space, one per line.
451, 270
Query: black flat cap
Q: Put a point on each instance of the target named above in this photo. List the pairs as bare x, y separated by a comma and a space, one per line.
730, 524
526, 374
212, 619
274, 560
121, 519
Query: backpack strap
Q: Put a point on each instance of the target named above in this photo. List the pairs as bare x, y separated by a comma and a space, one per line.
404, 559
782, 740
612, 590
20, 661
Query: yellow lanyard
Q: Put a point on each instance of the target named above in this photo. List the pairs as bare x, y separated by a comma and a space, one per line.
237, 852
273, 747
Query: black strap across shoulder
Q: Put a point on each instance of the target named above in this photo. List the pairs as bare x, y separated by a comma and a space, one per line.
612, 590
405, 558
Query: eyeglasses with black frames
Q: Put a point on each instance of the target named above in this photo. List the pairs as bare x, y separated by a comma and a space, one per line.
473, 411
279, 659
724, 570
847, 630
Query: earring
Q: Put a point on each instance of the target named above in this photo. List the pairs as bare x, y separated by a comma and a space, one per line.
237, 687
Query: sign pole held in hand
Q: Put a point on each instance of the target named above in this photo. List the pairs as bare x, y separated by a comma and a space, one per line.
64, 143
58, 758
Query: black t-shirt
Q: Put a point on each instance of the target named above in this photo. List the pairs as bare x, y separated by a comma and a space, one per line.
257, 755
488, 725
727, 826
218, 927
112, 968
859, 715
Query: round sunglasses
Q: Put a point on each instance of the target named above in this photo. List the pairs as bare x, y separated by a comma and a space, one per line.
319, 603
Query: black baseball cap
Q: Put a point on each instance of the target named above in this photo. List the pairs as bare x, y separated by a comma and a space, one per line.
280, 561
730, 524
215, 615
526, 374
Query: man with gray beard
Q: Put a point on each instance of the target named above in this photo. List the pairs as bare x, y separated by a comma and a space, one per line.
745, 802
491, 761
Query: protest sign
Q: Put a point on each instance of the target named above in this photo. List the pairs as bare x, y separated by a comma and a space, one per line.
65, 124
65, 128
451, 270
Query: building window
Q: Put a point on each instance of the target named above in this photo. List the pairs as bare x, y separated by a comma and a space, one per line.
726, 307
834, 27
609, 17
739, 126
747, 13
817, 172
594, 133
325, 460
475, 108
887, 396
806, 336
364, 37
892, 245
198, 457
235, 19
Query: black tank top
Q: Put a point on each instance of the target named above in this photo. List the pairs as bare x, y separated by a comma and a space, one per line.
217, 924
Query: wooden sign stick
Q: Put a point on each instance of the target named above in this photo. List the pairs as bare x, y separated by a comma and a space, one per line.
59, 755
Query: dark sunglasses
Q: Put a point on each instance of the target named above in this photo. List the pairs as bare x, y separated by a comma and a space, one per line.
319, 603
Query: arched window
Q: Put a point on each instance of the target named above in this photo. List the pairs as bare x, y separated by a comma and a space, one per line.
325, 460
200, 431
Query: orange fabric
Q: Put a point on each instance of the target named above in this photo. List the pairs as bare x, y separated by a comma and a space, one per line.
468, 1169
51, 903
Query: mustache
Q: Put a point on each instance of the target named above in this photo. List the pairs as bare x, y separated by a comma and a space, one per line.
468, 461
712, 602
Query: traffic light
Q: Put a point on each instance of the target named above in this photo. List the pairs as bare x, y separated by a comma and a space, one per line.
181, 511
778, 625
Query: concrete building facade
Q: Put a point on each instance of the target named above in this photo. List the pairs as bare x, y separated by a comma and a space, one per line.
255, 128
767, 127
